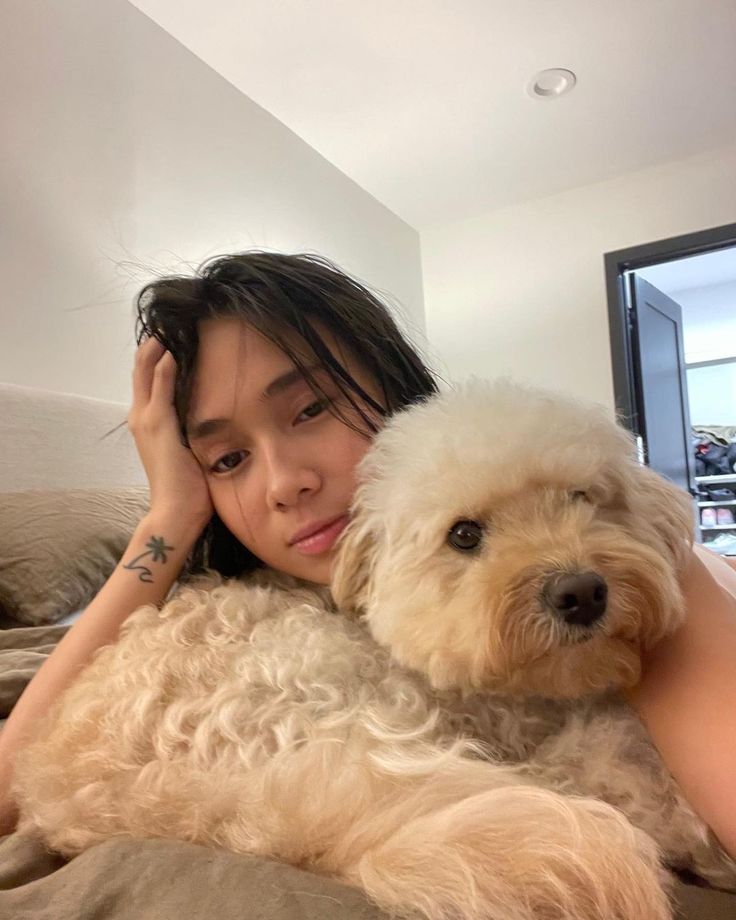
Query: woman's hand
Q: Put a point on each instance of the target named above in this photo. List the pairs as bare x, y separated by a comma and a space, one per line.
177, 482
687, 695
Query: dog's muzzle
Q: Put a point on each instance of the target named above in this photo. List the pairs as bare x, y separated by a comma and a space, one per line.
580, 598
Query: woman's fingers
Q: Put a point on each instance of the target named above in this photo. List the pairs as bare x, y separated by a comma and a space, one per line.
147, 356
161, 397
176, 480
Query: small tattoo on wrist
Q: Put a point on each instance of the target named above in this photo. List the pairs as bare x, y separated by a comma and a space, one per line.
157, 549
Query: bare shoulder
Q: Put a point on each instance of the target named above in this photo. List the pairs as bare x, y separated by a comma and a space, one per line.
708, 633
687, 695
721, 568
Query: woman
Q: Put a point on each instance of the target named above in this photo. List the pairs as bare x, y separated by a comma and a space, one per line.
283, 370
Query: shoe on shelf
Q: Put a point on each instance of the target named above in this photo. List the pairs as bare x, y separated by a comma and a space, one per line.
708, 517
724, 544
723, 515
720, 495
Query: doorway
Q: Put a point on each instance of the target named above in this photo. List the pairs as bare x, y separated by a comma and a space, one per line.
672, 319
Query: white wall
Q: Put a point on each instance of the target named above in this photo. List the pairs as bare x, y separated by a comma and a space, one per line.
123, 153
712, 394
709, 321
521, 291
705, 288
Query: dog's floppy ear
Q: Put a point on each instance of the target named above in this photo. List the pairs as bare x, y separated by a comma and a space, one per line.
669, 511
351, 575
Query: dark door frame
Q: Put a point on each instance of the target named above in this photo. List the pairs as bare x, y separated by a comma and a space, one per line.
626, 385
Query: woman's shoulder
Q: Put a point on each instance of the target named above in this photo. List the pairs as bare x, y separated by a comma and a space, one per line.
687, 694
721, 568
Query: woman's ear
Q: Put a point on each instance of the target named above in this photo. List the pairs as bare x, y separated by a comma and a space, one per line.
351, 573
668, 510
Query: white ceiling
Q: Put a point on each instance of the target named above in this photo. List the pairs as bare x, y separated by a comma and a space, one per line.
423, 102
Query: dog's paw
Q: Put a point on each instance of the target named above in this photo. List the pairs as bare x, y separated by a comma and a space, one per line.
518, 853
616, 872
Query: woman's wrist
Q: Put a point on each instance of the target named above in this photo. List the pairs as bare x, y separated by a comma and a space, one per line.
159, 547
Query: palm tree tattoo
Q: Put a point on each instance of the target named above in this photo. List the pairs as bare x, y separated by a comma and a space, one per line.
157, 551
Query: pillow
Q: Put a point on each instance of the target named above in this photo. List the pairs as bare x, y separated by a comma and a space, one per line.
58, 548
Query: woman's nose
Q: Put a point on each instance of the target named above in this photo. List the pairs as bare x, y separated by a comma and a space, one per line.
289, 479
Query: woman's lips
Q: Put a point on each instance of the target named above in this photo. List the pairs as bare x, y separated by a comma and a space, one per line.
323, 540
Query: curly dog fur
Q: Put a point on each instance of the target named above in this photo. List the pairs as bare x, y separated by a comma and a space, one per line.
442, 737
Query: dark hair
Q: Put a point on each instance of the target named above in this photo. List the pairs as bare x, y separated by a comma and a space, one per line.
279, 295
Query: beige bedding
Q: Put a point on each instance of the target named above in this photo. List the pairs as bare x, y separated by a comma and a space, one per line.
131, 879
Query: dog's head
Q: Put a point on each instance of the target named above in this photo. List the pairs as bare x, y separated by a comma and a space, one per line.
507, 539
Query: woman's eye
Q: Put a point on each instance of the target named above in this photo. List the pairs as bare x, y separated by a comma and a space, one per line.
225, 457
314, 409
465, 535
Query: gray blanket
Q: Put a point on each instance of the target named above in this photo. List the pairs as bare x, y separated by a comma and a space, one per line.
165, 880
22, 652
132, 879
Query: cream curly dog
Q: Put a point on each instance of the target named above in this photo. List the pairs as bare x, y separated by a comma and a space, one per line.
458, 749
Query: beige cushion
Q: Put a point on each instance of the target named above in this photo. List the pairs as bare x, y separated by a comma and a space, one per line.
57, 548
64, 441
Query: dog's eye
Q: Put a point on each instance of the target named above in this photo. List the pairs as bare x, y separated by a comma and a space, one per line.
464, 535
579, 496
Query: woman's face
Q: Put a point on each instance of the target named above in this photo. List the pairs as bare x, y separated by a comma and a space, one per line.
279, 464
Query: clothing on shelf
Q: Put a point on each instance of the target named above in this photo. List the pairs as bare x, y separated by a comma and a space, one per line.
714, 447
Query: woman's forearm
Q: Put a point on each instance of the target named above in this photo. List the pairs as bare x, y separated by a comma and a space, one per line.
687, 696
144, 575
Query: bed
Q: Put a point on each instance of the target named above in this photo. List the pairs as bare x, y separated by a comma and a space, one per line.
69, 501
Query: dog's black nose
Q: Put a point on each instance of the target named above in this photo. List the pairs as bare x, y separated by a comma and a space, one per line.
580, 598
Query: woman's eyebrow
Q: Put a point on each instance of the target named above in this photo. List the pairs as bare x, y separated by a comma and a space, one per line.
295, 375
198, 431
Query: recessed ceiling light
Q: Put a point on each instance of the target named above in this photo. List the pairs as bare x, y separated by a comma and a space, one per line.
551, 83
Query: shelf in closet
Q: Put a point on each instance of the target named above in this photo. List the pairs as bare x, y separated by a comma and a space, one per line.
718, 526
714, 504
722, 478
